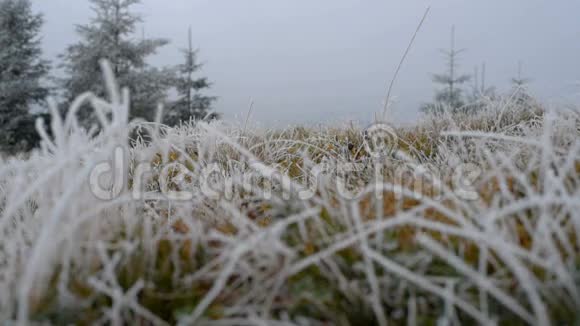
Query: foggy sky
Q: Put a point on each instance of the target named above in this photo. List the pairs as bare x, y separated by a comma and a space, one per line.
331, 60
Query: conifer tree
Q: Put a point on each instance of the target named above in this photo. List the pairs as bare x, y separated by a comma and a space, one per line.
111, 35
480, 87
519, 80
520, 94
191, 104
21, 73
450, 97
480, 94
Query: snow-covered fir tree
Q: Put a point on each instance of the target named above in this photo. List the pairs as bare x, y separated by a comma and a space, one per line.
520, 91
191, 103
111, 35
21, 73
481, 94
451, 96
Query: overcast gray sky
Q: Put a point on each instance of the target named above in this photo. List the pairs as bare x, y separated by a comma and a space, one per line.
330, 60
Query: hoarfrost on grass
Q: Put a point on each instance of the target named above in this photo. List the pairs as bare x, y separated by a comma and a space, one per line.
508, 254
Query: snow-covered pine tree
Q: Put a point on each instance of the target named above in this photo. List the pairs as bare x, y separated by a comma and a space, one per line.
480, 88
21, 72
480, 94
450, 97
520, 91
519, 81
111, 35
191, 104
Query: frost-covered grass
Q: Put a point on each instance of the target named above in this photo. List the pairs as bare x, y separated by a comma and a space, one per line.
467, 219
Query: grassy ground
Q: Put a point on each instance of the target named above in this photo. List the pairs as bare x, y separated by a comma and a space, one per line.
461, 219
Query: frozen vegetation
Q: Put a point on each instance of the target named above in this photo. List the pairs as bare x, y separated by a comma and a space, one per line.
465, 218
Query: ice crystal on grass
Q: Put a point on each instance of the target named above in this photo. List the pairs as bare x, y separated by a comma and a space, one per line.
464, 218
